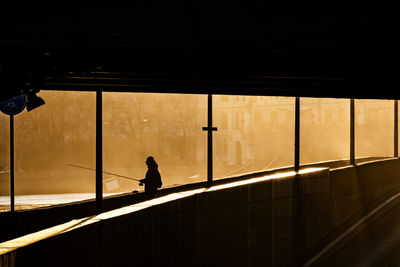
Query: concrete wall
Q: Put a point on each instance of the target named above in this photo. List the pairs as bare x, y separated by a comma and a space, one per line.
266, 223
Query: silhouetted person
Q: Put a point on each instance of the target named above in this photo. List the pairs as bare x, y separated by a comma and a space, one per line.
152, 181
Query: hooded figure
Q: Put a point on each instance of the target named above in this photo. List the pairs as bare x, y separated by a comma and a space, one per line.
152, 181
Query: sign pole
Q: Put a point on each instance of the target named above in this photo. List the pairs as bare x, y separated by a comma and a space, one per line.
12, 107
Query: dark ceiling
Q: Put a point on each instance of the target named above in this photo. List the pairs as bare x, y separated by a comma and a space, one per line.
220, 47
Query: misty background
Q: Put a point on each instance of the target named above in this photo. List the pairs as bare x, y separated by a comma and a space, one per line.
254, 133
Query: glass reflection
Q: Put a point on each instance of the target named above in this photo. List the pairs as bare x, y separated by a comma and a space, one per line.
47, 140
165, 126
254, 133
374, 128
324, 129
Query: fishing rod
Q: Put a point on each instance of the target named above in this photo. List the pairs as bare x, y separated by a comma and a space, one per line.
86, 168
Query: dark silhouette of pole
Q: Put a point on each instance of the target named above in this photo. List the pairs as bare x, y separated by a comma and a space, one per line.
297, 136
12, 196
352, 133
209, 130
99, 152
396, 128
209, 142
297, 225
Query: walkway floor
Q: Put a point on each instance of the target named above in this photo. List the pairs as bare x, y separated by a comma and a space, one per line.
377, 245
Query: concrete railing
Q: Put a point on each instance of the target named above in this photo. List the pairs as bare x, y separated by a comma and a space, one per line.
255, 221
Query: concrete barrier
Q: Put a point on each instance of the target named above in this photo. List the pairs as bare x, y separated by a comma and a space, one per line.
226, 225
258, 221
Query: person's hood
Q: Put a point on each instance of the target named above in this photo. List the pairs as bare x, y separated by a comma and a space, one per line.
152, 165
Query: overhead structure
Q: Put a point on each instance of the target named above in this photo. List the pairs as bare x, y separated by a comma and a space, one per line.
205, 47
199, 47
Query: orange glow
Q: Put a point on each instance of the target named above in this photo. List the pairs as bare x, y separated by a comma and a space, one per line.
264, 178
255, 133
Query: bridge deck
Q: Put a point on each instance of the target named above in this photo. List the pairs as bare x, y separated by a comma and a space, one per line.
376, 241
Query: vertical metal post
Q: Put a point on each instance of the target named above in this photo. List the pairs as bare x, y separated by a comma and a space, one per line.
396, 129
209, 142
12, 196
352, 133
99, 152
297, 136
209, 130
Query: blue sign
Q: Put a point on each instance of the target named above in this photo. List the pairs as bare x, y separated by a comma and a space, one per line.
14, 105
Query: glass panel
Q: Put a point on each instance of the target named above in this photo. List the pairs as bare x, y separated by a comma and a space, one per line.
374, 129
165, 126
4, 162
254, 133
48, 140
324, 129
